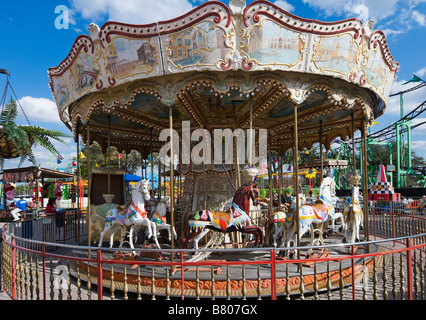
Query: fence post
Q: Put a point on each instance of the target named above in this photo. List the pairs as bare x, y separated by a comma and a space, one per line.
273, 276
13, 270
100, 275
44, 270
353, 270
181, 276
409, 274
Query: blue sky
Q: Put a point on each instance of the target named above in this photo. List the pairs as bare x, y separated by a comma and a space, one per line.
30, 44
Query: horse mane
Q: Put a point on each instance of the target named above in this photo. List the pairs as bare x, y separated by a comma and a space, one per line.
242, 198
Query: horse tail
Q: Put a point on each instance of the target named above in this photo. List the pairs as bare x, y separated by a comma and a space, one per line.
292, 226
351, 215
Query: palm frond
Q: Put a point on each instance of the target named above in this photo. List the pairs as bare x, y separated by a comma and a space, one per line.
9, 112
43, 137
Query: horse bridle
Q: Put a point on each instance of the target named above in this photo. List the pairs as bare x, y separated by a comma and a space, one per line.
328, 185
141, 191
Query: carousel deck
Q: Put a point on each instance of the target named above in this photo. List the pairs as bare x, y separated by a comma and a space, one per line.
250, 280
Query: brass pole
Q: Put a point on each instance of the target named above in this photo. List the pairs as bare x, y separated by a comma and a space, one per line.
152, 160
270, 174
353, 144
365, 178
296, 176
204, 187
237, 166
89, 183
109, 154
142, 164
78, 185
280, 181
251, 133
172, 198
159, 177
321, 152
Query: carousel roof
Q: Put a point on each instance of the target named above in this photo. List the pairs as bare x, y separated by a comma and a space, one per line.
216, 66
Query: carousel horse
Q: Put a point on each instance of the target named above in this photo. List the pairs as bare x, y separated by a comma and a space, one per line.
132, 216
313, 214
158, 219
236, 219
282, 218
334, 215
353, 213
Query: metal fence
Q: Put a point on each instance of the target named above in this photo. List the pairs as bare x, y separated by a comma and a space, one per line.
389, 269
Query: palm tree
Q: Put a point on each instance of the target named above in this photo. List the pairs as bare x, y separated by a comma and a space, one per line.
17, 140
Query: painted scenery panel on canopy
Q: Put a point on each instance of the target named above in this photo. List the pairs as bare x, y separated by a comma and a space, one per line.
337, 53
61, 91
376, 68
126, 57
202, 44
83, 73
273, 44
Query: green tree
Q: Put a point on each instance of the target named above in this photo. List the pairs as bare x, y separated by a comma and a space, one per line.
98, 159
21, 138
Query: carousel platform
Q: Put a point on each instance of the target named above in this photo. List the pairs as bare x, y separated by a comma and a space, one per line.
251, 280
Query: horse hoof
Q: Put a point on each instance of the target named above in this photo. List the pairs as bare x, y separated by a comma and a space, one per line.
344, 240
357, 240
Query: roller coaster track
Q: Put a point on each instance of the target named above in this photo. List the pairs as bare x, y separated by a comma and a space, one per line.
390, 131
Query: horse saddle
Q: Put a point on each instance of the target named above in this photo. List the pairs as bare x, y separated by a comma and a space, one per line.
122, 210
222, 220
321, 208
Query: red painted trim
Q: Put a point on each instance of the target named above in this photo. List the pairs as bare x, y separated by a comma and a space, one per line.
155, 29
381, 41
256, 14
202, 6
226, 66
72, 56
247, 66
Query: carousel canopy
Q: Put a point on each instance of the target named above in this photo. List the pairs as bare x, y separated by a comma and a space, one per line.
219, 67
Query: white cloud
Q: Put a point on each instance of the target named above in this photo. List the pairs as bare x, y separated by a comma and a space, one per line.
394, 16
39, 109
362, 12
362, 9
421, 72
419, 146
130, 11
411, 100
284, 5
420, 18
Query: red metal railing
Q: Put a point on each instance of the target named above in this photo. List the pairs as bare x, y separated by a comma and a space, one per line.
406, 277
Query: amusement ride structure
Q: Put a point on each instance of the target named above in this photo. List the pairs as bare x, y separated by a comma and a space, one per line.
274, 80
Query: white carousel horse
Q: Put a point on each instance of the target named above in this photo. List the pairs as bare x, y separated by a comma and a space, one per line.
132, 216
353, 215
159, 217
313, 214
333, 215
282, 218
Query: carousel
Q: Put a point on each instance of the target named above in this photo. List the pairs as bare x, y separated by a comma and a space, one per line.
268, 79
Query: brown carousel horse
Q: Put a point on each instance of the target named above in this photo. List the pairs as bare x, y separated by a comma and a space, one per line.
236, 219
